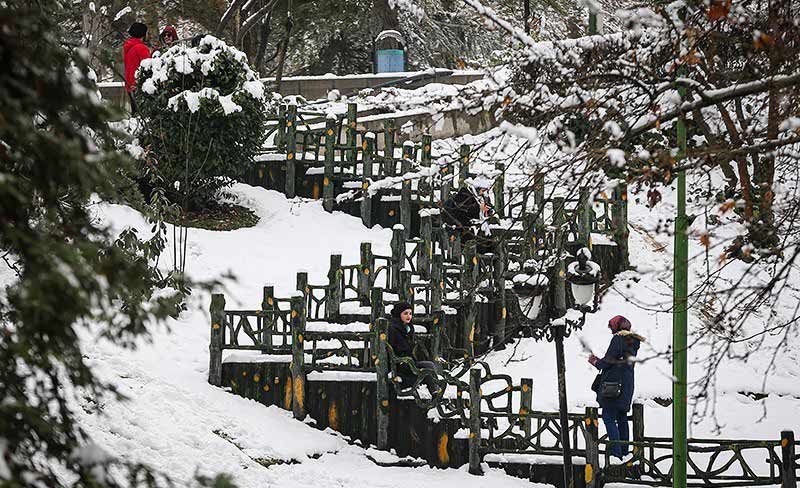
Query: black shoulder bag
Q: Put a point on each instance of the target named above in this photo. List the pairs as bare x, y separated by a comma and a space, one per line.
608, 390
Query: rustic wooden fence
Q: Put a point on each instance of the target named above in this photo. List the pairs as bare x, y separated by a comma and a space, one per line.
499, 424
386, 181
513, 428
459, 295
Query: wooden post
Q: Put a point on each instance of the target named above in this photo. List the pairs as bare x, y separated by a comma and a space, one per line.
463, 164
498, 266
334, 288
499, 189
366, 169
475, 421
398, 246
529, 235
619, 219
538, 201
437, 282
469, 280
352, 115
406, 293
389, 167
426, 245
280, 133
455, 247
365, 273
525, 405
591, 471
470, 319
405, 191
268, 318
298, 360
382, 386
584, 218
327, 180
469, 284
424, 187
302, 283
446, 185
217, 310
638, 422
438, 323
376, 303
291, 149
788, 463
560, 286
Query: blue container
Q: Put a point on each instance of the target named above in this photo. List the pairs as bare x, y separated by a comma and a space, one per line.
390, 60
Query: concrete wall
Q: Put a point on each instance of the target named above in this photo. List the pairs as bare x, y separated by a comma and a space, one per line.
413, 124
314, 87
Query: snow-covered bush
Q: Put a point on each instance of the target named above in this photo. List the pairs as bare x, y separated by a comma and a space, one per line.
204, 113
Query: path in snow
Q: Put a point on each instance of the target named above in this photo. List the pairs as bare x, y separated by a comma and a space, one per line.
177, 423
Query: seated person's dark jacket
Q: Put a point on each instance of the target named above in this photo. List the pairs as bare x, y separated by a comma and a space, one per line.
462, 208
401, 340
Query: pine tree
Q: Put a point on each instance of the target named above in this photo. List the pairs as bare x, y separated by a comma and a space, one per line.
69, 272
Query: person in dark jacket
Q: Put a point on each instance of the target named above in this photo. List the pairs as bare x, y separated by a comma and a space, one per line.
134, 51
617, 367
401, 338
469, 208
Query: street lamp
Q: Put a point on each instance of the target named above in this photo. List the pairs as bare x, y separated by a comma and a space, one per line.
530, 290
558, 322
582, 276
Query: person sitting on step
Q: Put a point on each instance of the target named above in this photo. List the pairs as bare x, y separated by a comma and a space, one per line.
401, 338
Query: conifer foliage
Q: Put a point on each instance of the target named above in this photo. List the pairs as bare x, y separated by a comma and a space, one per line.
67, 273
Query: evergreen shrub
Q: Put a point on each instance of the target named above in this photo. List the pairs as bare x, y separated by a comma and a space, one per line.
203, 113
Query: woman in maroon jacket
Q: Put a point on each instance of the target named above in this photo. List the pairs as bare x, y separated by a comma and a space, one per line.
133, 52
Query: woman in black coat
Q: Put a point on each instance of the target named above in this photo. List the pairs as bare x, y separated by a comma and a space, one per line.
616, 367
401, 338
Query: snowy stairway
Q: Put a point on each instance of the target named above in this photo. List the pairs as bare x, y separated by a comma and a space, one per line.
345, 401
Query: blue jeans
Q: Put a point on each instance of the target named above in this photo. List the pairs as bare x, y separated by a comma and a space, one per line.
616, 421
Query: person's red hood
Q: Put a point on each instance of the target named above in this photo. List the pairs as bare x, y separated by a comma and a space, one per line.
171, 31
130, 43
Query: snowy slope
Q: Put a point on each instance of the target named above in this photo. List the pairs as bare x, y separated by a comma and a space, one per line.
177, 423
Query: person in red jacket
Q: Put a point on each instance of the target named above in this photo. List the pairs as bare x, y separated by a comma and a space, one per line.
133, 52
167, 38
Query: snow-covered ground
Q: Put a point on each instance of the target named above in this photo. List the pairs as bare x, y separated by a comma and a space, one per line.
177, 423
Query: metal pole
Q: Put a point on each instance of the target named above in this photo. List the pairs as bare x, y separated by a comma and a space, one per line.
560, 309
679, 321
558, 333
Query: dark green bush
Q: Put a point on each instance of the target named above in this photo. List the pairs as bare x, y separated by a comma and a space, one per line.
203, 113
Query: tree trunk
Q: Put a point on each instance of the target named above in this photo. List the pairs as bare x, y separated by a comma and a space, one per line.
387, 15
151, 17
282, 53
266, 30
762, 232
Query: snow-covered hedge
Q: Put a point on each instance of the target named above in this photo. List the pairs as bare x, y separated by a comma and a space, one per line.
204, 112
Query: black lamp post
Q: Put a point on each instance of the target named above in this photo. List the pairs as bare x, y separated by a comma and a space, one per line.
558, 322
